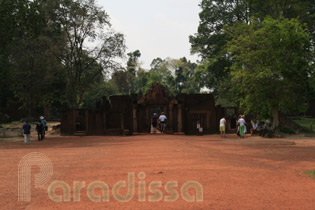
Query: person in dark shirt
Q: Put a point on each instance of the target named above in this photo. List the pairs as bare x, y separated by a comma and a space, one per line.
154, 122
39, 129
27, 132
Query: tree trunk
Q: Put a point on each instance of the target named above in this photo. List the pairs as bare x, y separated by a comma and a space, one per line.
275, 121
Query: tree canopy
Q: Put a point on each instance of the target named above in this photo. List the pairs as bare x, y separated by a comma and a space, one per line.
258, 55
270, 66
52, 52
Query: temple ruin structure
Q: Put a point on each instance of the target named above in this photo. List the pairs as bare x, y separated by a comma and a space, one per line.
129, 115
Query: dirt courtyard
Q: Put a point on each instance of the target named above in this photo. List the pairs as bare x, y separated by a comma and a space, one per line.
252, 173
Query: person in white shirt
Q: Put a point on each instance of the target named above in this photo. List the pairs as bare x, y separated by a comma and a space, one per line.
242, 124
199, 128
222, 127
162, 119
254, 127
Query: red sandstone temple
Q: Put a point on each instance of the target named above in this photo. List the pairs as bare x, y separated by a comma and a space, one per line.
128, 115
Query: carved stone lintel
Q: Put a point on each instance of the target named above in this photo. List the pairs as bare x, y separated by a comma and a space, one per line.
157, 95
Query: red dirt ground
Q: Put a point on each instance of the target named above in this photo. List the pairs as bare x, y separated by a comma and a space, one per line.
251, 173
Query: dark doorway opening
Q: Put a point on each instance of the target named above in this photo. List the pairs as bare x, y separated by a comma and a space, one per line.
157, 109
80, 120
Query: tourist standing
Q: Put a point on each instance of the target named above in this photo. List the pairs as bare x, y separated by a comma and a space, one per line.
242, 124
222, 127
44, 123
198, 128
154, 122
39, 129
27, 132
238, 126
163, 120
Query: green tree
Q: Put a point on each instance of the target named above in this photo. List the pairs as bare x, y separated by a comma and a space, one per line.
96, 92
210, 40
124, 82
177, 75
132, 63
184, 77
143, 79
8, 28
162, 72
271, 66
26, 63
86, 28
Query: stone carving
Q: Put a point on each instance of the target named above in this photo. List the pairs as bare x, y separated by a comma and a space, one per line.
157, 95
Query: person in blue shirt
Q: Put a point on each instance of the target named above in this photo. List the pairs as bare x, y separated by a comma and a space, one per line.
27, 132
44, 123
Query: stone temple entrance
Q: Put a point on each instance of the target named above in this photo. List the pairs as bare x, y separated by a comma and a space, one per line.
156, 101
156, 110
129, 114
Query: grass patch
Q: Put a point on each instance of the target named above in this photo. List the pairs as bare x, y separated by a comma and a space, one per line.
286, 130
14, 123
7, 137
305, 123
310, 173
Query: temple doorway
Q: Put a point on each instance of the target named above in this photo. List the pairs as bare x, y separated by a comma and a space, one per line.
156, 109
80, 120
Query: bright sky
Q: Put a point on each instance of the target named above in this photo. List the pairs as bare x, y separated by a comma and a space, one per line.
158, 28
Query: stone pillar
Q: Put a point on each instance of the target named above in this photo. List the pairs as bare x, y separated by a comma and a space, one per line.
134, 117
179, 119
74, 121
104, 123
122, 122
170, 117
148, 120
86, 121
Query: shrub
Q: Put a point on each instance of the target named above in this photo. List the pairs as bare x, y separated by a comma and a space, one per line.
287, 130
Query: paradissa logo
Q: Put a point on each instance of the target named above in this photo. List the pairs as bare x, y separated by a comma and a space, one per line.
190, 191
154, 187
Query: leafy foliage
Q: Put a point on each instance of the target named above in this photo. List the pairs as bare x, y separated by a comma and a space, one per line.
89, 39
260, 60
271, 65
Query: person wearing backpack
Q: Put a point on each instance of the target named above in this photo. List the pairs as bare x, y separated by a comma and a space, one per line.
45, 127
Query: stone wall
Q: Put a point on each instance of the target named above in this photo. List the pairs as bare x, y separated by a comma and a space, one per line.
128, 114
311, 108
